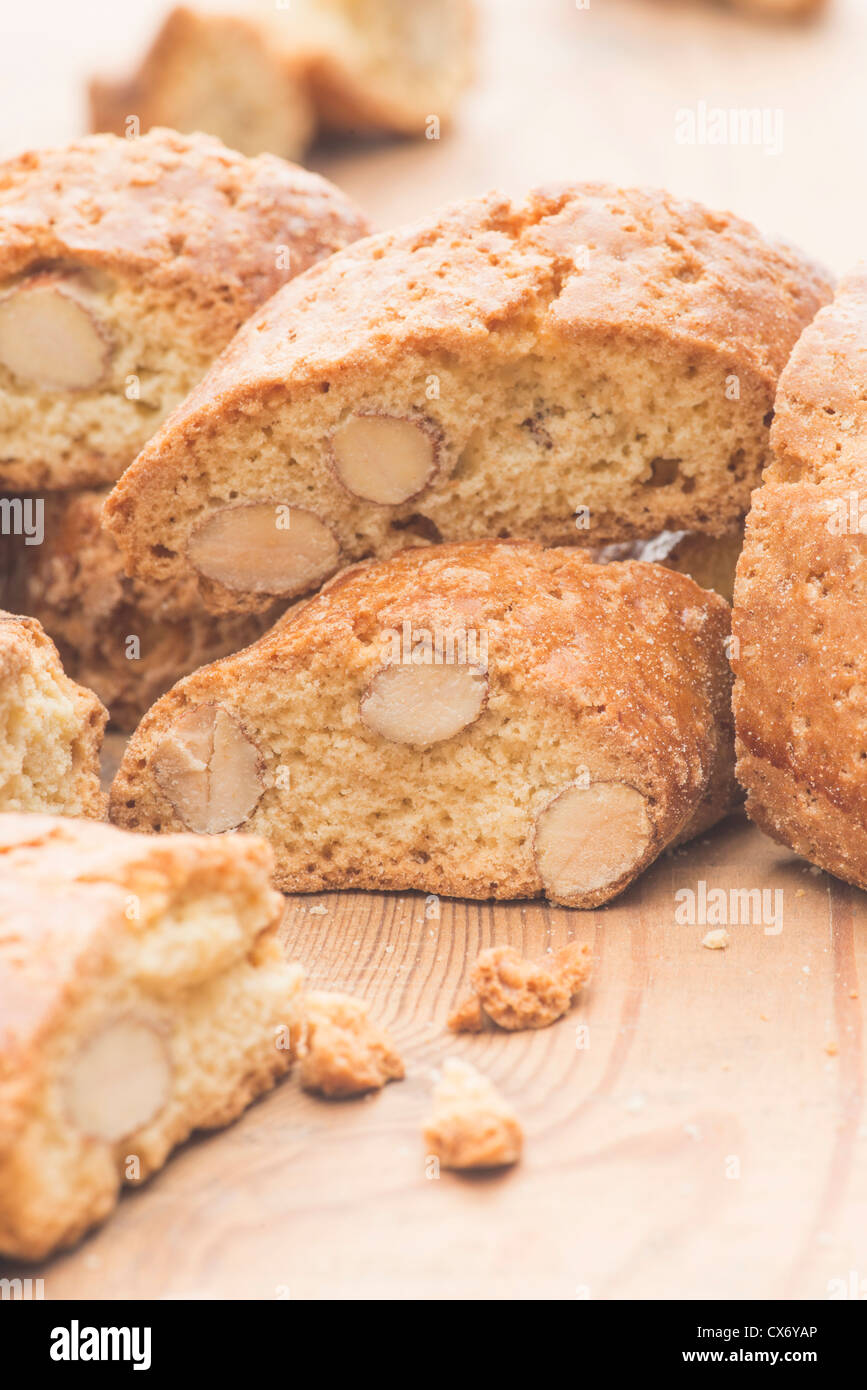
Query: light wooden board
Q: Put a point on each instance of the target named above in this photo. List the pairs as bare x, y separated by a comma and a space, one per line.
705, 1143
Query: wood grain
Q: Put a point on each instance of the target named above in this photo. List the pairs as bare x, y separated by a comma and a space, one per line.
701, 1064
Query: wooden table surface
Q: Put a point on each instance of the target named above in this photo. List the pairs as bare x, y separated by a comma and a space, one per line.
706, 1138
710, 1140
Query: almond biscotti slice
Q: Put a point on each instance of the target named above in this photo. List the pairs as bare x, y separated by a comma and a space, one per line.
50, 728
591, 366
487, 720
143, 995
125, 639
264, 77
125, 268
799, 621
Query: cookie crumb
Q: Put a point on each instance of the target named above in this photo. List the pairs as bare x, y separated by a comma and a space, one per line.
318, 911
716, 940
516, 993
341, 1051
468, 1017
471, 1125
832, 1049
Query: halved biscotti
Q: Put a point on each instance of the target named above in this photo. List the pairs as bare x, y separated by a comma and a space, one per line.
594, 365
143, 995
799, 620
487, 720
125, 267
125, 639
266, 77
50, 728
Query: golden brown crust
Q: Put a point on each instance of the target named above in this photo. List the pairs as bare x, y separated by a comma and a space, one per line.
71, 721
126, 640
516, 993
341, 1051
800, 599
670, 280
627, 661
181, 210
449, 282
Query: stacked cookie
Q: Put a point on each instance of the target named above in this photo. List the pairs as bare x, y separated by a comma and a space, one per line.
126, 267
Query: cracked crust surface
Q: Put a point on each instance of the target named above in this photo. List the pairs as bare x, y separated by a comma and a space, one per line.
50, 728
800, 695
341, 1050
172, 241
616, 670
99, 927
574, 342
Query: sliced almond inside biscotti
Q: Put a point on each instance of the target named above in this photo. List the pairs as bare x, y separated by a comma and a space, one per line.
128, 265
263, 548
591, 725
50, 338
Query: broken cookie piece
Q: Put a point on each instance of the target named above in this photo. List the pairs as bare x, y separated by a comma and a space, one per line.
341, 1051
471, 1125
517, 993
491, 719
143, 995
50, 728
126, 266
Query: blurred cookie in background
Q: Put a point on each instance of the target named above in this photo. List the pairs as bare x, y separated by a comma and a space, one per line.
267, 77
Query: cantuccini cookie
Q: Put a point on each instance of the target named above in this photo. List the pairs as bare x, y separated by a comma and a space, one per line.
266, 78
50, 728
143, 995
594, 365
800, 695
125, 267
486, 720
127, 640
